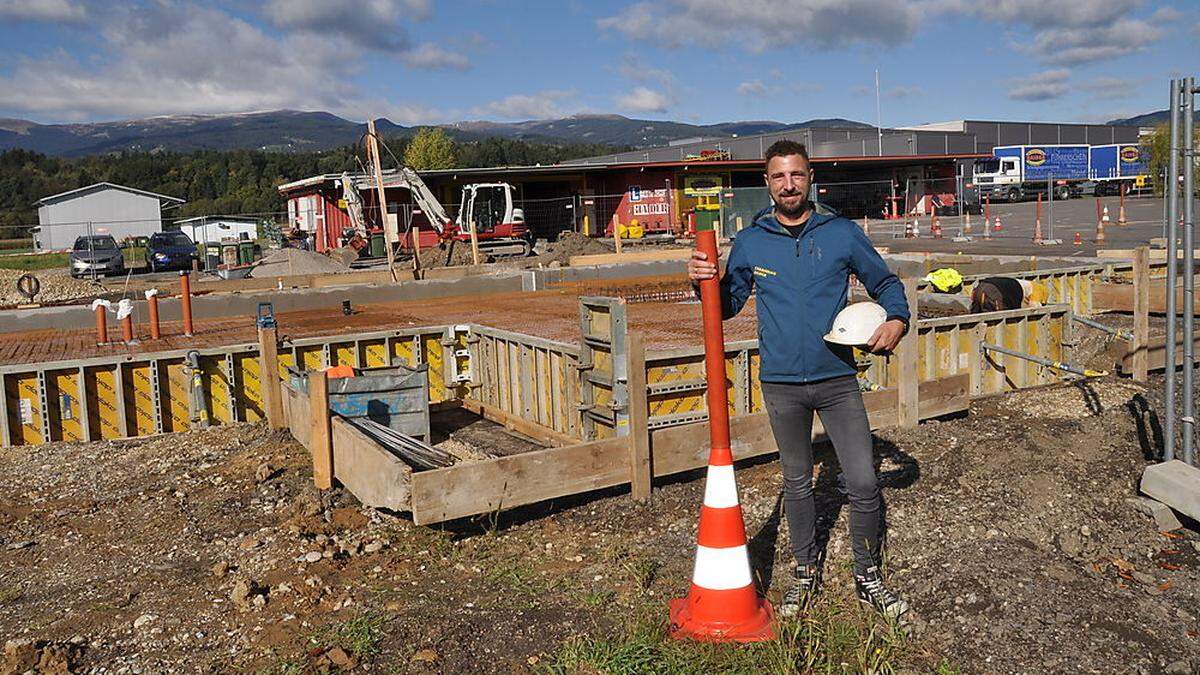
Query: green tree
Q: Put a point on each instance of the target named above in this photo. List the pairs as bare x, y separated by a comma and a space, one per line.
1157, 145
431, 149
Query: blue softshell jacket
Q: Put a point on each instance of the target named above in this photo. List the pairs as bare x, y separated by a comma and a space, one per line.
801, 286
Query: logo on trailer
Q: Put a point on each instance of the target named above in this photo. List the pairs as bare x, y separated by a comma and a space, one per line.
1035, 157
1130, 154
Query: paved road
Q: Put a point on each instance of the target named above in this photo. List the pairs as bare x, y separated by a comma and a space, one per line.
1144, 217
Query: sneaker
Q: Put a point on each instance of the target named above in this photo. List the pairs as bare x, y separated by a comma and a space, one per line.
807, 582
872, 592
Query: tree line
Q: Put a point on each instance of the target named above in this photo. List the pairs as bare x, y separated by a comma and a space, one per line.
243, 181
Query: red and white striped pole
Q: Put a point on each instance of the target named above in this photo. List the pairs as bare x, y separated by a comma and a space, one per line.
722, 604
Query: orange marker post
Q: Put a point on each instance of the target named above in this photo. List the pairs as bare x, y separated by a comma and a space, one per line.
722, 604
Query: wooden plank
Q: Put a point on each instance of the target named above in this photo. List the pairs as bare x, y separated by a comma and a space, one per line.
685, 447
639, 414
1156, 354
320, 443
506, 482
1120, 297
630, 257
537, 432
1141, 312
375, 476
908, 381
296, 414
1154, 255
503, 483
268, 367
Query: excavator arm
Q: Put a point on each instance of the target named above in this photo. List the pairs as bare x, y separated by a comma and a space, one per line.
408, 179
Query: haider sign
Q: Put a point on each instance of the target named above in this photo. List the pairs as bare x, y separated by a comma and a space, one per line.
650, 207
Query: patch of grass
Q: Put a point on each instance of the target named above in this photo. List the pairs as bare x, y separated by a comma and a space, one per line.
28, 263
284, 667
830, 639
359, 636
594, 599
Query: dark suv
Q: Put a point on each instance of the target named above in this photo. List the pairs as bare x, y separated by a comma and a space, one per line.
169, 251
96, 254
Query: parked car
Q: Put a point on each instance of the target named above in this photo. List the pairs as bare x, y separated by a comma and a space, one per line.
169, 251
96, 254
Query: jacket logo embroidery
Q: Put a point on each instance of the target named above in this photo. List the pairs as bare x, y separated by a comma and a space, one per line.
764, 272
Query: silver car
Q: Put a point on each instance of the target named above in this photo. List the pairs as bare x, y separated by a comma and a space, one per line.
98, 255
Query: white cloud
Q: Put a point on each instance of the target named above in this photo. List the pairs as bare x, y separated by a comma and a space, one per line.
53, 11
539, 106
429, 56
903, 91
1109, 88
1043, 86
1073, 46
755, 22
1043, 14
162, 59
643, 100
375, 24
752, 88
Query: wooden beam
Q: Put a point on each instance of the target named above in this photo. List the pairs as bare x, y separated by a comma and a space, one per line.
639, 416
372, 474
908, 385
630, 257
1141, 312
538, 432
321, 440
381, 201
1155, 254
1156, 354
685, 447
506, 482
483, 487
1120, 297
268, 366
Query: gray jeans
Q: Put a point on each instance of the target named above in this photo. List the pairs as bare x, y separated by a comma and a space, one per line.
839, 403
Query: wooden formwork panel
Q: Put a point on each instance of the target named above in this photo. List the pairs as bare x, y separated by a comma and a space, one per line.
530, 377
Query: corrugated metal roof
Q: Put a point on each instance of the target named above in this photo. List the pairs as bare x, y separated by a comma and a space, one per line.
79, 192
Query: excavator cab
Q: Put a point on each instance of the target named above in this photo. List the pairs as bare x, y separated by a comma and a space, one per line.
487, 205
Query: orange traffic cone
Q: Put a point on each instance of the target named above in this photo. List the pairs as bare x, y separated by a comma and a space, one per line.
936, 227
908, 230
722, 604
1105, 219
1100, 230
997, 227
1078, 239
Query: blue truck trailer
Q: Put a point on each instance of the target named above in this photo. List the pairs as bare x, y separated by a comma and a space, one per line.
1019, 172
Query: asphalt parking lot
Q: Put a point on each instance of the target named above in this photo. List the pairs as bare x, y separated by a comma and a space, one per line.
1060, 220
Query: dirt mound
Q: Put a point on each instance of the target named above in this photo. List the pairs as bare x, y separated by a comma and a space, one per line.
443, 256
57, 286
569, 244
293, 261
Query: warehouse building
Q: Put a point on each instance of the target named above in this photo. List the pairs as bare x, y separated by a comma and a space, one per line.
102, 208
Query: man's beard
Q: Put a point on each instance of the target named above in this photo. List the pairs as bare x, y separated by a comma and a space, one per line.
791, 212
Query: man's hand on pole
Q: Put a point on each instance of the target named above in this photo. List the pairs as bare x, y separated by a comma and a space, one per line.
700, 269
886, 337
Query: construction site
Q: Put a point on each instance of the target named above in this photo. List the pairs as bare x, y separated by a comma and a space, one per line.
486, 453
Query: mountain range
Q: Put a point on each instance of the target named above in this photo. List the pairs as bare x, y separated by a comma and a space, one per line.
1151, 119
301, 131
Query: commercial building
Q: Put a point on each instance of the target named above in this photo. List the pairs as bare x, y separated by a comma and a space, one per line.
863, 172
102, 208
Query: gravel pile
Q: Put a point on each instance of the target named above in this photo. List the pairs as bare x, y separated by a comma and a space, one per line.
57, 286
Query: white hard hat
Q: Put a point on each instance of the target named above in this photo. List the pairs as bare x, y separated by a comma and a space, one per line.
855, 324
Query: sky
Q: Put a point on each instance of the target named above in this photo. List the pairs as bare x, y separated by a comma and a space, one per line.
698, 61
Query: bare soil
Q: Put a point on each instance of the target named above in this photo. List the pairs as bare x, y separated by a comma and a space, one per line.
210, 551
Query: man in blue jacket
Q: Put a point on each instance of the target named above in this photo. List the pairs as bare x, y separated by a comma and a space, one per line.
799, 260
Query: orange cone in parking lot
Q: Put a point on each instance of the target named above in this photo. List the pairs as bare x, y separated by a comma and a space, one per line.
1078, 239
722, 604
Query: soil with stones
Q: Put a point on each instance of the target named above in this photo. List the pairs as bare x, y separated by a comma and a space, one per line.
1010, 534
